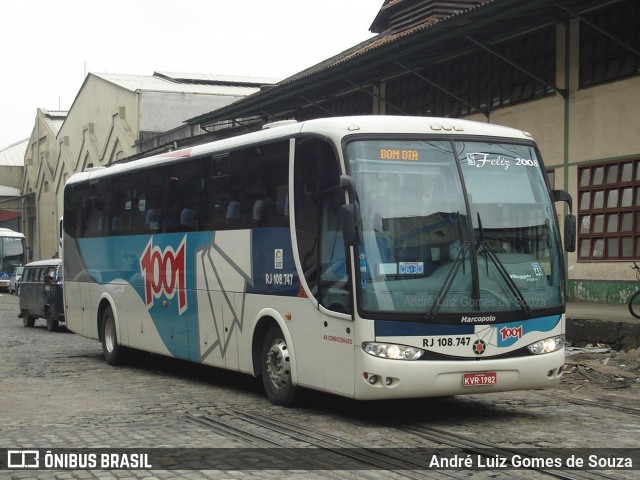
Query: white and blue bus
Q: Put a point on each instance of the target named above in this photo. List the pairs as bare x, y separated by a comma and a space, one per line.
371, 257
12, 254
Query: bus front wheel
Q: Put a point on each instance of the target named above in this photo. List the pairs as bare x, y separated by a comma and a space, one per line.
113, 353
276, 369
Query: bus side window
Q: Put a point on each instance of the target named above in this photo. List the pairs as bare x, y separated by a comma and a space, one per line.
72, 205
182, 196
247, 188
94, 224
265, 182
222, 193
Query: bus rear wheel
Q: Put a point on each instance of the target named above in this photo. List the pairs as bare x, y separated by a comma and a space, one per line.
276, 369
113, 353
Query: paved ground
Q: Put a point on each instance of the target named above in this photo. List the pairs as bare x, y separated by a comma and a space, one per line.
56, 391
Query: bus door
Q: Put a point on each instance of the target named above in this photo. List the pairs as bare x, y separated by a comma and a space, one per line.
334, 296
321, 251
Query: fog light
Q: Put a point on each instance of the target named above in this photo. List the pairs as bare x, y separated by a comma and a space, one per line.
373, 379
388, 381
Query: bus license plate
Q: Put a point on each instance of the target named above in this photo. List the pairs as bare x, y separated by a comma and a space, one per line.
479, 379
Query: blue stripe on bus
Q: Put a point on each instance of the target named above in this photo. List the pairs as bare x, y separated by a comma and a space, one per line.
508, 333
386, 328
119, 259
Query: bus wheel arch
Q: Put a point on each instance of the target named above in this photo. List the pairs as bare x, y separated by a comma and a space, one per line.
108, 334
104, 304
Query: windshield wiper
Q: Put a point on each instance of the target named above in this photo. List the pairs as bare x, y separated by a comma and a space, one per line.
451, 275
491, 254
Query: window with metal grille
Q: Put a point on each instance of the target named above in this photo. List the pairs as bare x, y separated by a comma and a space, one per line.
609, 211
603, 59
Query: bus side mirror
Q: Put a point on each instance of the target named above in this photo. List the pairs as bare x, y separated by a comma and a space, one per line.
351, 224
570, 233
350, 214
570, 222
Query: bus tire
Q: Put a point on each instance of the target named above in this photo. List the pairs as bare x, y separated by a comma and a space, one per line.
28, 320
113, 353
276, 369
52, 325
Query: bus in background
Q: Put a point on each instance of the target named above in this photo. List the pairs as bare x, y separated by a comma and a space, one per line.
12, 254
372, 257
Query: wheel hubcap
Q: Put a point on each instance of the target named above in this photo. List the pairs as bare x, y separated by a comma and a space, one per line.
109, 334
278, 364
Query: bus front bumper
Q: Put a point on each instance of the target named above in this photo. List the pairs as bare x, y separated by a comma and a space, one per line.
378, 378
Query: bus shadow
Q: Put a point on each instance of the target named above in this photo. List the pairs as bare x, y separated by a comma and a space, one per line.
184, 369
432, 411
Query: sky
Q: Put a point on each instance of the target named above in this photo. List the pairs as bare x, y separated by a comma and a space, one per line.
47, 47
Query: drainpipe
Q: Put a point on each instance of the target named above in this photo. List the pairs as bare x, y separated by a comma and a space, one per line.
567, 123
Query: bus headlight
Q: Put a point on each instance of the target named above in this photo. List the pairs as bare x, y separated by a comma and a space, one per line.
392, 351
547, 345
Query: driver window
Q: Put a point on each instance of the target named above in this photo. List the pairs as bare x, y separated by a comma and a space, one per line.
317, 200
334, 292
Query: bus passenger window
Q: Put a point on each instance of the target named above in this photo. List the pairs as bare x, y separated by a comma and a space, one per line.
182, 193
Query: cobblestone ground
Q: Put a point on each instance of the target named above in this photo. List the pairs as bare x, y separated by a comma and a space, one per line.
56, 391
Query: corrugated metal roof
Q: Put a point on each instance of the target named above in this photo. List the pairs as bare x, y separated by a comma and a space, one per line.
387, 54
218, 79
382, 40
54, 118
13, 155
396, 15
159, 84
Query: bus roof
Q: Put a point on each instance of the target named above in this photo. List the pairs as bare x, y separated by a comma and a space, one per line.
334, 127
6, 232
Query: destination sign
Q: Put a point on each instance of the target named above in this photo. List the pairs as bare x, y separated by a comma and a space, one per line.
399, 154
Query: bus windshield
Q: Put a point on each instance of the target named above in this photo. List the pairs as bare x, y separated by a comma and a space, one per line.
454, 228
12, 251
